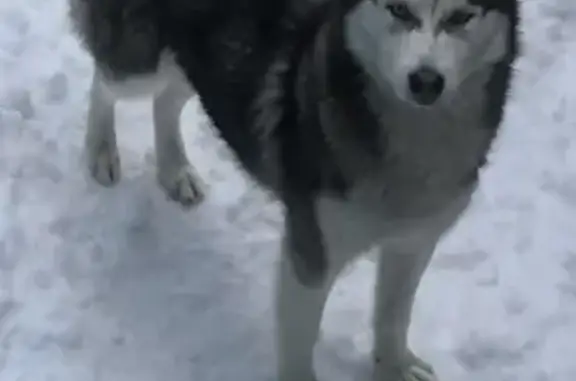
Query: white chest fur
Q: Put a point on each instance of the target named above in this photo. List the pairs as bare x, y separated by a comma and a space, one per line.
431, 154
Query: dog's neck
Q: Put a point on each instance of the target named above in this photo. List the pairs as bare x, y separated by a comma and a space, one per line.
364, 124
336, 88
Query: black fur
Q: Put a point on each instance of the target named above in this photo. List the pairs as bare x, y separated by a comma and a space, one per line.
227, 61
499, 84
332, 86
229, 77
124, 37
226, 48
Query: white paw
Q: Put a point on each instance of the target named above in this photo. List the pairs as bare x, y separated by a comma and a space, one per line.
412, 369
104, 164
297, 377
182, 186
311, 378
419, 371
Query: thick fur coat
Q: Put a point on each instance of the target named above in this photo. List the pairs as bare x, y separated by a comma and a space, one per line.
368, 119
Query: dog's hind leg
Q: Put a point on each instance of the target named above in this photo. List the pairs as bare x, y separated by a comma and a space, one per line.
400, 268
124, 39
175, 174
100, 139
107, 88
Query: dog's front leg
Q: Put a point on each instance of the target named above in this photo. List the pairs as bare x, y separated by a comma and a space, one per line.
401, 266
304, 237
298, 316
303, 287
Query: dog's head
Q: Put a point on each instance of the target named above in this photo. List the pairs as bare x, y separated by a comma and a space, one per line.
425, 49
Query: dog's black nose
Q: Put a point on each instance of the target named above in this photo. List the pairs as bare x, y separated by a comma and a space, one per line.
426, 85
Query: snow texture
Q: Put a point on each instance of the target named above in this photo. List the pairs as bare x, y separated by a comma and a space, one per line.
119, 284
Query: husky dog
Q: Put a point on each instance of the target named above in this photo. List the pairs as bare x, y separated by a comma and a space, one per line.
368, 119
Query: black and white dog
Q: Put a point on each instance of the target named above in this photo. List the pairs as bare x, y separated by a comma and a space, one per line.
368, 119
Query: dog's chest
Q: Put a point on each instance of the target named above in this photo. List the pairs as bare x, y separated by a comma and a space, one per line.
433, 150
431, 159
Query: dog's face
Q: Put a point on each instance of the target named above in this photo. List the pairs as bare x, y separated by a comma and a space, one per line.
424, 49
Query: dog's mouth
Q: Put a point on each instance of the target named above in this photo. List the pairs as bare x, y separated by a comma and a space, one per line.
425, 102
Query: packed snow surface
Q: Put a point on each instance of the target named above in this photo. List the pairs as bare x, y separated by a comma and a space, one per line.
119, 284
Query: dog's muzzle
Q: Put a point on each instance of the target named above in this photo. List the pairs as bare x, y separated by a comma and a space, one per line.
426, 85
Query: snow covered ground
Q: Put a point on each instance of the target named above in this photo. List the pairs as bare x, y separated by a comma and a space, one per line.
119, 284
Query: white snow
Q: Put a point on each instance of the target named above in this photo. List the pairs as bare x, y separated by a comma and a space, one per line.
120, 285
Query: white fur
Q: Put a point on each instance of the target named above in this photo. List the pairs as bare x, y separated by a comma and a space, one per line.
406, 247
391, 50
406, 206
170, 92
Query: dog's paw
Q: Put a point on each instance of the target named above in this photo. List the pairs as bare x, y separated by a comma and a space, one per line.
412, 369
291, 376
418, 371
104, 164
310, 378
182, 186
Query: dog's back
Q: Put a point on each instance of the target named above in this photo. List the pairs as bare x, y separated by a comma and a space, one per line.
371, 123
216, 45
132, 44
128, 37
123, 37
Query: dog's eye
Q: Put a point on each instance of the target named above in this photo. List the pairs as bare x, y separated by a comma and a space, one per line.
401, 12
458, 19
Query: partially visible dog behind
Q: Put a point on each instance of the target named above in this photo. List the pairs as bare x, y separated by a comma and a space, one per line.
128, 42
368, 119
